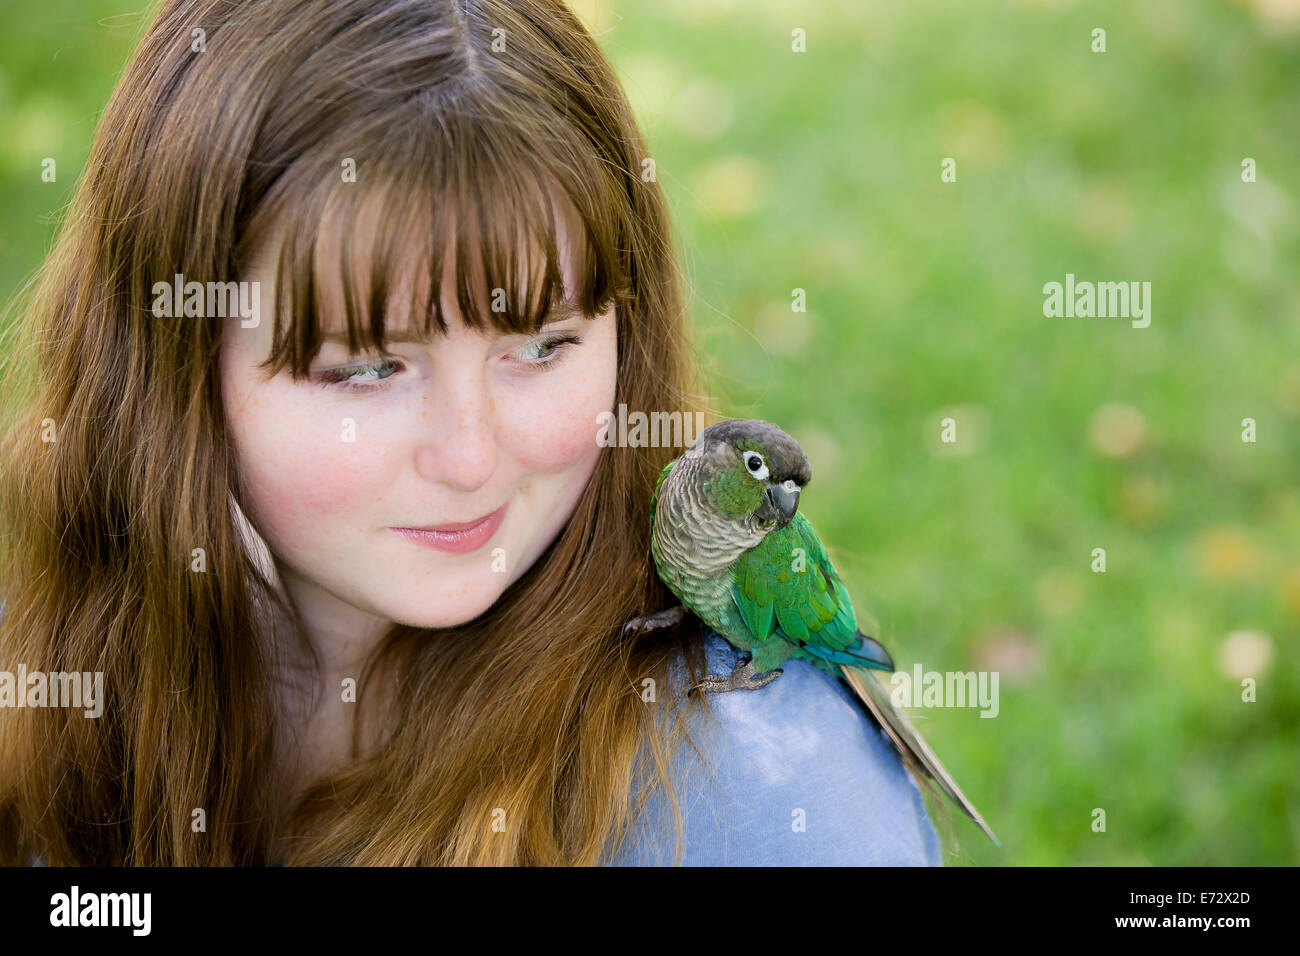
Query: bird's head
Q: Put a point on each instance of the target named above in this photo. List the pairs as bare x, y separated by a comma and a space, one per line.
749, 467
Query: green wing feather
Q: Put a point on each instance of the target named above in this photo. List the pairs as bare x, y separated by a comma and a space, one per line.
654, 499
787, 586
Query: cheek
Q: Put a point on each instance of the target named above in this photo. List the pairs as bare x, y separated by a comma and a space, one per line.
299, 465
554, 426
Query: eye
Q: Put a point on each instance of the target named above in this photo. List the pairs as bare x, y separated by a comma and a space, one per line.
755, 465
360, 378
546, 351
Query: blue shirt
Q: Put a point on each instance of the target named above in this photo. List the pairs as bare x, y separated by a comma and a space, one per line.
804, 778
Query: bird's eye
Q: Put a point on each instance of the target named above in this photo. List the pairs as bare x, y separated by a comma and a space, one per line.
755, 464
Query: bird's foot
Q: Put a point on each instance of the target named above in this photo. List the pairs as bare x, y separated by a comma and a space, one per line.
669, 617
742, 677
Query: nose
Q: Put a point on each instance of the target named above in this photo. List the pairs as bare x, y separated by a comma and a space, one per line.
458, 441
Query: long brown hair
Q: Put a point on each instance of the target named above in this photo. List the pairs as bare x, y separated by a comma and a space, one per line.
235, 122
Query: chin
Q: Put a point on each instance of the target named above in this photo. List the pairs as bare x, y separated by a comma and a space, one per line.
425, 610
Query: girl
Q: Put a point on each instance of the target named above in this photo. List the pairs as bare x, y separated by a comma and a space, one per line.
307, 468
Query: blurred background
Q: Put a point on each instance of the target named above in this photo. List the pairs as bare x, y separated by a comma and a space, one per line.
821, 170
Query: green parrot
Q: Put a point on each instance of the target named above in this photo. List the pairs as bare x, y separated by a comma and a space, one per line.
729, 541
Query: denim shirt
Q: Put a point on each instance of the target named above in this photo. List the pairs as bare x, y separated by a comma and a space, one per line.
804, 778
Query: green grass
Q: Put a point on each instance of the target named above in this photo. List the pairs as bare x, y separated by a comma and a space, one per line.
925, 300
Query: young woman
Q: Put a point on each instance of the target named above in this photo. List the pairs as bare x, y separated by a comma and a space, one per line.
305, 464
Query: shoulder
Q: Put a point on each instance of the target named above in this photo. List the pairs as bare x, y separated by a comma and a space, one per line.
797, 774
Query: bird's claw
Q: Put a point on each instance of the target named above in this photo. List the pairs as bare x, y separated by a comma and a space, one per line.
742, 677
669, 617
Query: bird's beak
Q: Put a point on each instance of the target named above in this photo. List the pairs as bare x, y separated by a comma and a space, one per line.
780, 502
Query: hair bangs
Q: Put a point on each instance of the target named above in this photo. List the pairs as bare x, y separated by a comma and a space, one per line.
366, 260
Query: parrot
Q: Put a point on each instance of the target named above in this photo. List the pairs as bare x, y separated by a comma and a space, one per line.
728, 540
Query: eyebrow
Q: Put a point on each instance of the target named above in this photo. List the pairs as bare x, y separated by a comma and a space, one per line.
561, 313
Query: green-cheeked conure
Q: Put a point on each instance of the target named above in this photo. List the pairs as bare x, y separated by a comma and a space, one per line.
729, 541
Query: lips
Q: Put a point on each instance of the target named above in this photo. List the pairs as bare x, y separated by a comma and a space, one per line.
454, 526
456, 537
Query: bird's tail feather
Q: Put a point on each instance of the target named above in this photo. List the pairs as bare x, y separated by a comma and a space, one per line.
916, 752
